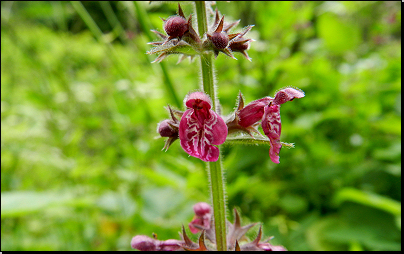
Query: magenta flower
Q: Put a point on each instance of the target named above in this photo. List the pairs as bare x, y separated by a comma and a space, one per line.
202, 218
271, 120
271, 125
266, 110
253, 112
287, 94
201, 128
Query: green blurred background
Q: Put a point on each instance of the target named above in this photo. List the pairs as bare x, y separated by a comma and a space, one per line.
81, 168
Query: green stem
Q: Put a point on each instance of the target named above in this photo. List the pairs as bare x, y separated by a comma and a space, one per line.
215, 167
219, 202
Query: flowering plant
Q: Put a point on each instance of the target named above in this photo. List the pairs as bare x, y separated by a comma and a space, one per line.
201, 128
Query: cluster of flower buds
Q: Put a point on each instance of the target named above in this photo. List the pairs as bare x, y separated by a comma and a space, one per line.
221, 41
181, 38
204, 221
201, 128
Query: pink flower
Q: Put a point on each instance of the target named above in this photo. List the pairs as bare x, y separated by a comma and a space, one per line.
200, 128
201, 220
253, 112
266, 110
287, 94
271, 120
271, 125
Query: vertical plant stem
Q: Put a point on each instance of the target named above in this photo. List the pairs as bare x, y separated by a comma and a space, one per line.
215, 167
219, 203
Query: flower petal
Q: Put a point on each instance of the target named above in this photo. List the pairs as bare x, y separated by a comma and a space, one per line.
202, 208
198, 100
287, 94
215, 129
198, 134
253, 112
271, 124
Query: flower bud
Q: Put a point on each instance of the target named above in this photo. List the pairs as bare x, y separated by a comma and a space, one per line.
239, 46
169, 128
202, 218
176, 26
220, 40
144, 243
202, 209
170, 245
166, 128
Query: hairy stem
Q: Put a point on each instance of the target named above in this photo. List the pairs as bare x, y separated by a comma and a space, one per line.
215, 168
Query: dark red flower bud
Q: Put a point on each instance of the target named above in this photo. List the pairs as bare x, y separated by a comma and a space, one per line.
165, 128
220, 40
239, 47
176, 26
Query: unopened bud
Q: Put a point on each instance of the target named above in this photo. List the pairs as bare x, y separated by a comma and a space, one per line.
144, 243
170, 245
202, 218
166, 128
202, 208
176, 26
239, 47
220, 40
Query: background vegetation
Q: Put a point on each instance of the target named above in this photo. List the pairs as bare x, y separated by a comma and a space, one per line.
81, 168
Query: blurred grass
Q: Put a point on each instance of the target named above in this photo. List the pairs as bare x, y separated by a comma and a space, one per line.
81, 168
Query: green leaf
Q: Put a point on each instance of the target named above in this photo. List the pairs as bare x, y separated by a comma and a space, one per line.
369, 199
247, 140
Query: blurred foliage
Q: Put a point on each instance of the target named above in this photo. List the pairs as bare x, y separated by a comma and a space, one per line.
81, 168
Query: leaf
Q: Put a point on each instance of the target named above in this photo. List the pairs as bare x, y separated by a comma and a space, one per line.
247, 140
369, 199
